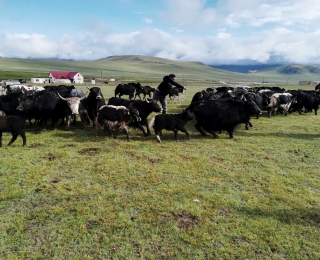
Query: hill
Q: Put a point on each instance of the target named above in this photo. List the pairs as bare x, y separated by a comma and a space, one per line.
136, 66
245, 68
299, 69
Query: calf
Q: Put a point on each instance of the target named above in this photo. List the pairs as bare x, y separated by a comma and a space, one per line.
115, 118
127, 89
175, 92
145, 108
279, 100
147, 90
14, 125
173, 122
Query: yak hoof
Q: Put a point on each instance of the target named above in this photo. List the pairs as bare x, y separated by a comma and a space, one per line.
158, 139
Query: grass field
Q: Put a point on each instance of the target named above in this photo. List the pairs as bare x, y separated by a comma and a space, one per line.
70, 195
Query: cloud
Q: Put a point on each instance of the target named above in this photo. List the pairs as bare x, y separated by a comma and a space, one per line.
147, 20
177, 30
223, 35
257, 13
279, 44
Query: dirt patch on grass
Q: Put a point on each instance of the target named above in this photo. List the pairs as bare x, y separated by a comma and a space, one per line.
69, 145
89, 150
51, 156
35, 145
154, 160
185, 221
91, 224
131, 154
186, 157
217, 159
224, 212
55, 181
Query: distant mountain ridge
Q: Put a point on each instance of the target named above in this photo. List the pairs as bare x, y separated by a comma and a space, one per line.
245, 68
293, 69
298, 69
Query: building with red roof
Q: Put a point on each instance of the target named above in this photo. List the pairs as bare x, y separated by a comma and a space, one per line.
65, 77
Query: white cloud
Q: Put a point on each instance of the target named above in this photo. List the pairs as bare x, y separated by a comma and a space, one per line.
223, 35
257, 13
177, 30
147, 20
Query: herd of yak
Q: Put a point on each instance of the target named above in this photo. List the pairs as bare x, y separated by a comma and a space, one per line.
215, 109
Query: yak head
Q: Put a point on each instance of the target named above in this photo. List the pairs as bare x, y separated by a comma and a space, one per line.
95, 92
73, 103
153, 105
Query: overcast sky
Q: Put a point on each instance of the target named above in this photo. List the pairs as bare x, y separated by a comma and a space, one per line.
210, 31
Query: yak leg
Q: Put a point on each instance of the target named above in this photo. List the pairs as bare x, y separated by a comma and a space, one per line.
0, 139
158, 133
175, 134
230, 132
144, 122
198, 127
248, 125
98, 126
210, 131
68, 119
127, 133
24, 138
139, 126
14, 137
182, 129
84, 118
74, 119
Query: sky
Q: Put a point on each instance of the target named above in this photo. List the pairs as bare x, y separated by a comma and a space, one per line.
214, 32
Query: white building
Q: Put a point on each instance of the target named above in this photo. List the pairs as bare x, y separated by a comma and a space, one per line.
40, 80
64, 76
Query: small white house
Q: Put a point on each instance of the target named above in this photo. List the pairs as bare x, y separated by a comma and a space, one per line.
40, 80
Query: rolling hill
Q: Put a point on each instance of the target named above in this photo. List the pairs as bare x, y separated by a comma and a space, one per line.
135, 66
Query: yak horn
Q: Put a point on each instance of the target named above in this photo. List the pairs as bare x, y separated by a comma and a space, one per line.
62, 97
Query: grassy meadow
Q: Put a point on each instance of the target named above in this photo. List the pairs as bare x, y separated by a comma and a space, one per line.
70, 195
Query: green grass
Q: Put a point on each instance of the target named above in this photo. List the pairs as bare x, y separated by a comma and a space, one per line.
70, 195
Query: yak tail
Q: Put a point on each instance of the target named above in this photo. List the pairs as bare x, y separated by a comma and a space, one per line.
151, 122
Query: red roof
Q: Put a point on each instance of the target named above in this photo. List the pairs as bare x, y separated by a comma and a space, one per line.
63, 74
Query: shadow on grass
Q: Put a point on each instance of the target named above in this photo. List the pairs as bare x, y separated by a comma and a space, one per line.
286, 135
77, 133
303, 216
89, 134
